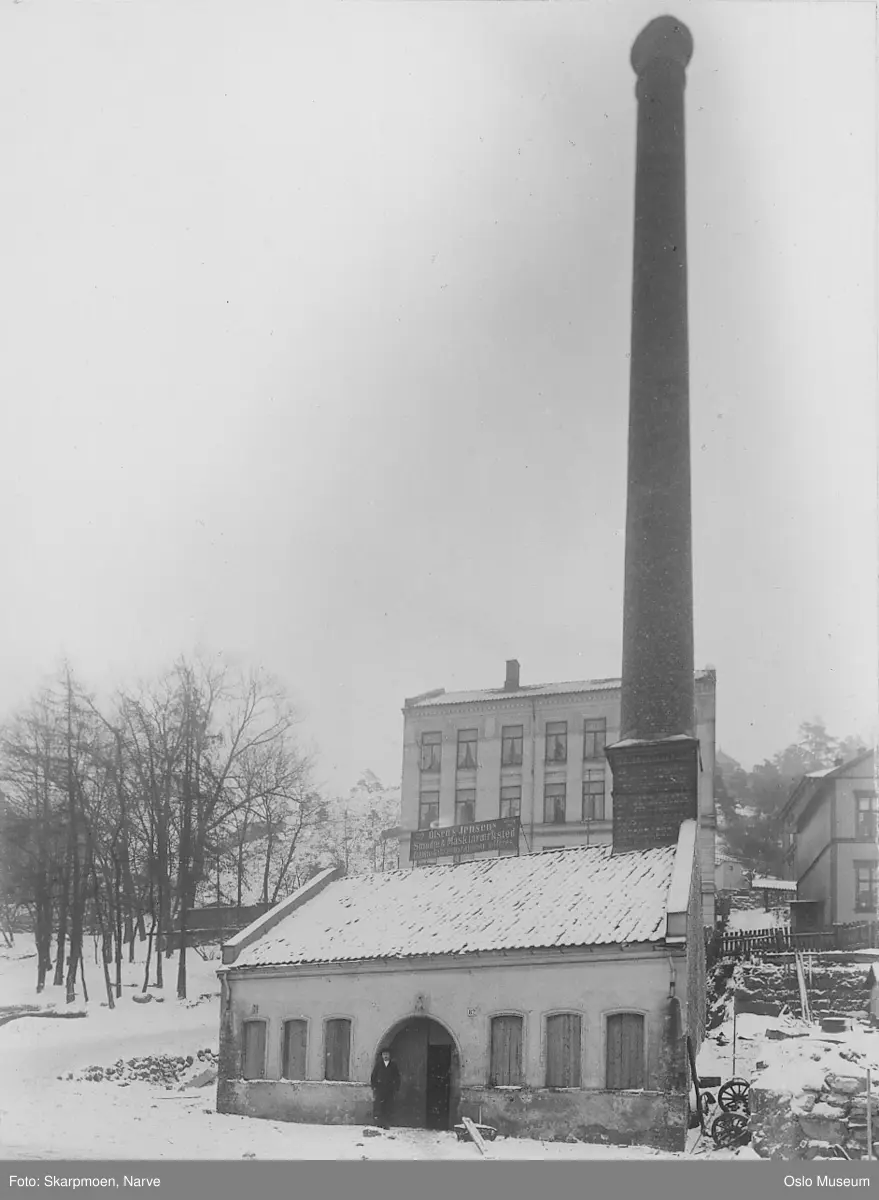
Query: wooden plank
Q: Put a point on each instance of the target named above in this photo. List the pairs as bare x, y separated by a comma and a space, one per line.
475, 1136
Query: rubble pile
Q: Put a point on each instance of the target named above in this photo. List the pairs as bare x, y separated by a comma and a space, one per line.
768, 988
163, 1070
814, 1096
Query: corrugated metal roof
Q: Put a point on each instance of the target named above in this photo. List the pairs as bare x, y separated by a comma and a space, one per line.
579, 896
773, 885
573, 687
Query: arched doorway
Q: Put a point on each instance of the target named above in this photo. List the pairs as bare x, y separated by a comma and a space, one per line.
427, 1058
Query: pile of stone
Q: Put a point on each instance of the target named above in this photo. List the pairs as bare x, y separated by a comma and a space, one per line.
162, 1070
829, 1109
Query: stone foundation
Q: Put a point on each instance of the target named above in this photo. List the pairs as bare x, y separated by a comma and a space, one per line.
804, 1126
613, 1118
306, 1102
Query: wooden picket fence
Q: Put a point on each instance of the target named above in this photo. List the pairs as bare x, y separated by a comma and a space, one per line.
854, 935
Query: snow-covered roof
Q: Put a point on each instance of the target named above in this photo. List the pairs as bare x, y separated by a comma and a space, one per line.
572, 687
577, 896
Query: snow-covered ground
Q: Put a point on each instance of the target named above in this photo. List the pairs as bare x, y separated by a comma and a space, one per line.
49, 1110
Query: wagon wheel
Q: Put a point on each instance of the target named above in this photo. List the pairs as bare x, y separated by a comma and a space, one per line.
729, 1129
733, 1096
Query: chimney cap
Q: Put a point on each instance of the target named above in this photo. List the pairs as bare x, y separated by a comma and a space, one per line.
665, 37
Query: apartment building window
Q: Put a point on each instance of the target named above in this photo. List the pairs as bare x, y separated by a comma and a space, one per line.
594, 737
563, 1050
593, 795
511, 801
556, 741
254, 1049
428, 809
431, 748
337, 1048
511, 746
554, 804
465, 806
467, 749
865, 807
865, 887
505, 1068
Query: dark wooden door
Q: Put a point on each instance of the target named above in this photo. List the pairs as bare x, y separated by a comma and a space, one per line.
294, 1049
563, 1050
439, 1086
254, 1049
409, 1052
506, 1052
337, 1051
625, 1051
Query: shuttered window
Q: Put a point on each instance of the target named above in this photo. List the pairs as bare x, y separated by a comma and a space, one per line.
506, 1052
625, 1051
254, 1049
563, 1050
295, 1035
337, 1049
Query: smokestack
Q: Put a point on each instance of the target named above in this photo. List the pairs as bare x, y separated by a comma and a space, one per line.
655, 763
657, 677
511, 683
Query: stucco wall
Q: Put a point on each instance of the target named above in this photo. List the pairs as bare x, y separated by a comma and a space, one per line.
813, 837
461, 998
815, 885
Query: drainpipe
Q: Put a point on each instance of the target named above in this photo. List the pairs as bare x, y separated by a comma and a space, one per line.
533, 759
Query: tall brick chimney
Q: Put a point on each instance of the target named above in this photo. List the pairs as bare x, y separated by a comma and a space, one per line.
511, 683
654, 764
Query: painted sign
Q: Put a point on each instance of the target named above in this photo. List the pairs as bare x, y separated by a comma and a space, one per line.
464, 839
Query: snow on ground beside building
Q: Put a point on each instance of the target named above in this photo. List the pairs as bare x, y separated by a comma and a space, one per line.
46, 1114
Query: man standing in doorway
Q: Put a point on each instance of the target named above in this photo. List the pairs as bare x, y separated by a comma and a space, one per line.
385, 1085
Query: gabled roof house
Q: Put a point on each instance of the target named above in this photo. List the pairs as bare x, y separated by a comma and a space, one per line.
547, 994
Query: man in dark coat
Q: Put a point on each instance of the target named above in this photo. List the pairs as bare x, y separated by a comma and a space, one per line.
385, 1082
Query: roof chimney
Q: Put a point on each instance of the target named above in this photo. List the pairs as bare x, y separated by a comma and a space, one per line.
511, 683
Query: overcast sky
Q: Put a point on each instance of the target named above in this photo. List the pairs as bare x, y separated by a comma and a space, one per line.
315, 332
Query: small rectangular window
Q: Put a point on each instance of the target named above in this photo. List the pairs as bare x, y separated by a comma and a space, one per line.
465, 806
337, 1049
505, 1069
431, 750
557, 741
593, 795
295, 1037
554, 804
511, 746
254, 1049
594, 737
865, 807
865, 887
467, 739
511, 801
428, 809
